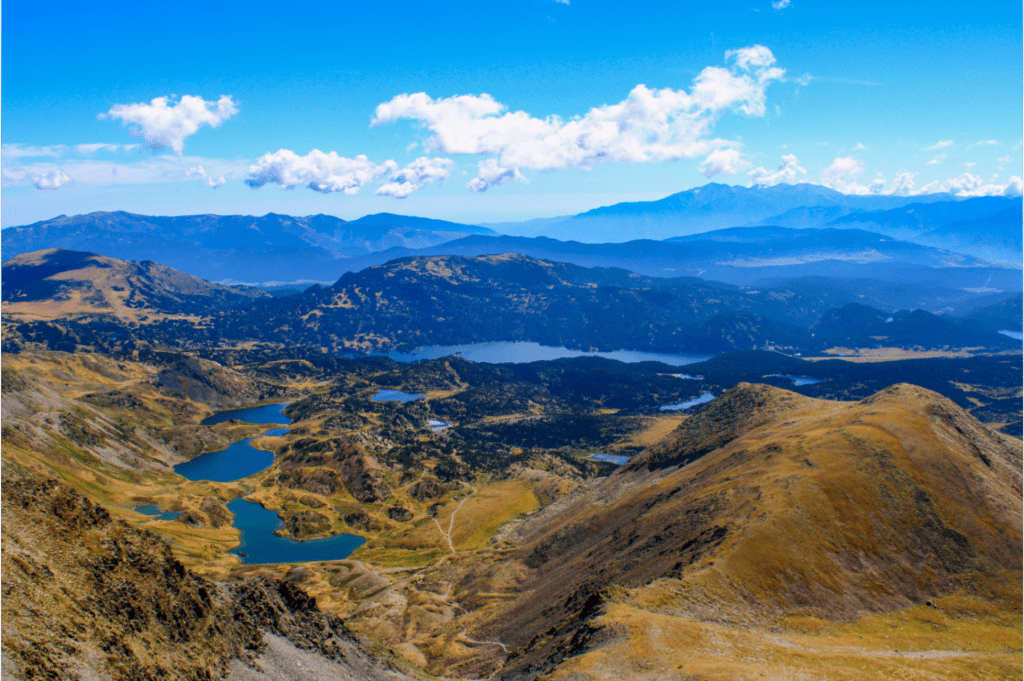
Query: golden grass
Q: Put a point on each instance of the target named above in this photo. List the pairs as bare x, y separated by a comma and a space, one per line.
915, 644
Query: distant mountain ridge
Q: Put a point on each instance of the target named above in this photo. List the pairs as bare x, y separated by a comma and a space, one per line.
236, 247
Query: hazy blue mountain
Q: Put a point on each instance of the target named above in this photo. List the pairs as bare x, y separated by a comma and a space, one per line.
987, 226
235, 247
745, 256
714, 206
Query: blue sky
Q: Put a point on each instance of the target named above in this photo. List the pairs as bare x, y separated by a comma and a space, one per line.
484, 112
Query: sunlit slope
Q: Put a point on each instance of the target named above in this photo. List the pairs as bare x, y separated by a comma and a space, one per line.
55, 283
769, 505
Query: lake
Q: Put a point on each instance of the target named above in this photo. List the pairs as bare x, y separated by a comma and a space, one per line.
1016, 335
268, 413
518, 352
797, 380
260, 545
396, 396
238, 461
706, 397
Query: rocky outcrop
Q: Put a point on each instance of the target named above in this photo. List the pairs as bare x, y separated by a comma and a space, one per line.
88, 596
359, 471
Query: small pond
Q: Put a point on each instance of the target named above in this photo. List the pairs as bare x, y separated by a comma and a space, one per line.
437, 426
706, 397
518, 352
260, 544
610, 458
797, 380
396, 396
157, 513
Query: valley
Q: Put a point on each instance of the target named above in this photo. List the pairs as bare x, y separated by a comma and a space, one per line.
497, 466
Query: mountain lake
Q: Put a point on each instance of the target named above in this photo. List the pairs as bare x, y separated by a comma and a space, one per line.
519, 352
259, 544
705, 397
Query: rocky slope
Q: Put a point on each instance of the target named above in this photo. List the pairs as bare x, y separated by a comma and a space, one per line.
90, 596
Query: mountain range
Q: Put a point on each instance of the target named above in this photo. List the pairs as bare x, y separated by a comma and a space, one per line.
921, 233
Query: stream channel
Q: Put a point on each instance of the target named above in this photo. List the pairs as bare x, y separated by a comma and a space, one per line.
259, 543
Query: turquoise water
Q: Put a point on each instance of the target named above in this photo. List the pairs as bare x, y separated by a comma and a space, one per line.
157, 513
238, 461
518, 352
706, 397
396, 396
268, 413
260, 545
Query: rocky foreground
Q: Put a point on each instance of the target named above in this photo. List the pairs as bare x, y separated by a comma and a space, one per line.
88, 596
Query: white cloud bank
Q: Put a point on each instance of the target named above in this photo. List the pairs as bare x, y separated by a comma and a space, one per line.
842, 176
320, 172
728, 161
649, 125
166, 126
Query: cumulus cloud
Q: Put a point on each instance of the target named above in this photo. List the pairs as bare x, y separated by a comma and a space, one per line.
786, 172
941, 144
209, 180
649, 125
728, 161
780, 4
165, 126
319, 171
413, 176
41, 178
490, 174
937, 160
842, 176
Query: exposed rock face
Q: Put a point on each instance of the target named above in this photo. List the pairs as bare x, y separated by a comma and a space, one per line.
307, 524
202, 380
89, 596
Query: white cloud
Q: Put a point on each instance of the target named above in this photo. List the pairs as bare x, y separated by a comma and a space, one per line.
319, 171
16, 151
982, 143
941, 144
165, 126
40, 178
562, 2
728, 161
90, 149
973, 185
413, 176
649, 125
209, 180
1004, 159
786, 172
804, 79
970, 165
842, 176
859, 147
937, 160
780, 4
491, 174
